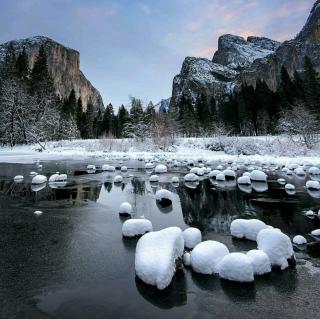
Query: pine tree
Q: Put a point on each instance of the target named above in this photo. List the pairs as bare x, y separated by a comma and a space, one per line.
22, 65
311, 85
69, 107
122, 119
286, 89
107, 120
88, 121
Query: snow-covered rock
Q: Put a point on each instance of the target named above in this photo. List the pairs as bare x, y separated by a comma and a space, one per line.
299, 171
149, 166
290, 187
91, 167
38, 212
281, 181
192, 237
124, 169
220, 177
187, 259
39, 179
206, 257
316, 232
175, 180
125, 209
314, 170
260, 262
161, 169
299, 240
33, 174
164, 197
258, 176
136, 227
118, 179
191, 178
313, 185
18, 179
154, 179
108, 168
229, 174
213, 174
236, 267
247, 228
244, 180
277, 246
156, 255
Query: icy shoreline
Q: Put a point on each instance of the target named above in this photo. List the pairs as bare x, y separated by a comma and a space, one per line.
275, 150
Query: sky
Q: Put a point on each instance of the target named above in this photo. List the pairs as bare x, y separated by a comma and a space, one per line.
135, 48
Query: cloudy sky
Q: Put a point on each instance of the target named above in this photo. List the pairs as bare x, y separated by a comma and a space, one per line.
133, 47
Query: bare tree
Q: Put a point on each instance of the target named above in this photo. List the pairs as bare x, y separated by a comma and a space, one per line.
161, 130
301, 124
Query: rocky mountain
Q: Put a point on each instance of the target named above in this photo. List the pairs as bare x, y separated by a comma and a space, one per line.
163, 105
239, 61
289, 54
63, 65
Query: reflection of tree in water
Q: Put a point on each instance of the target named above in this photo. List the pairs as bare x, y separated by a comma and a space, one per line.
138, 186
75, 194
207, 208
108, 186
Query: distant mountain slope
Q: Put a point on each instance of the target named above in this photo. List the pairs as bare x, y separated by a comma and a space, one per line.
63, 65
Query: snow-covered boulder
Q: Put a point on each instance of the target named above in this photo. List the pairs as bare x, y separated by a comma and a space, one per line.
299, 171
314, 171
213, 174
33, 174
18, 179
187, 259
290, 187
281, 181
125, 209
38, 212
316, 232
39, 179
161, 169
154, 179
206, 257
277, 246
156, 256
191, 177
61, 178
220, 177
258, 176
313, 185
192, 237
247, 228
236, 267
136, 227
124, 169
149, 166
118, 179
244, 180
175, 180
229, 174
164, 197
108, 168
299, 240
91, 167
260, 262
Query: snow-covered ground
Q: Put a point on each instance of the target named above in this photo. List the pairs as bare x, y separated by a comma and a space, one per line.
278, 150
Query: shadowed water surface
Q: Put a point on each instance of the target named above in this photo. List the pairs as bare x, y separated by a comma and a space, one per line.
72, 262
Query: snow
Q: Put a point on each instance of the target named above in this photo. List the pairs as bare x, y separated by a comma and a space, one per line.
258, 176
281, 181
197, 170
192, 237
108, 168
206, 257
187, 259
214, 173
220, 177
236, 267
247, 228
299, 240
136, 227
124, 169
316, 232
299, 171
125, 209
313, 185
244, 180
163, 194
38, 212
91, 167
260, 262
18, 178
161, 169
118, 179
191, 178
156, 255
276, 245
39, 179
154, 178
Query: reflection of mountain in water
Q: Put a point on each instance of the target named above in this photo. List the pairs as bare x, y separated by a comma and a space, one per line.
207, 209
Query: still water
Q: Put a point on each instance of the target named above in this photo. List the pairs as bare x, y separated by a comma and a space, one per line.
72, 262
